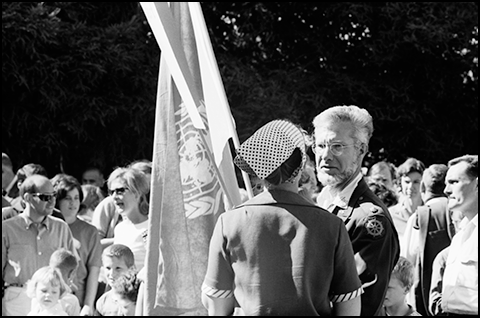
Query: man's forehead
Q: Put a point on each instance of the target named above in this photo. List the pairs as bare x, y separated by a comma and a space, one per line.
458, 170
328, 132
44, 186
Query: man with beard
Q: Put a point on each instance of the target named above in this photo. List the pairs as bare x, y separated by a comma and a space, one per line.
28, 241
342, 134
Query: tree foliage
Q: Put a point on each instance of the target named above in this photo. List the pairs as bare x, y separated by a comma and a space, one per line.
78, 83
79, 79
412, 65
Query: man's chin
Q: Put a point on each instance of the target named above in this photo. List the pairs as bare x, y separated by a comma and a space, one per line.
328, 180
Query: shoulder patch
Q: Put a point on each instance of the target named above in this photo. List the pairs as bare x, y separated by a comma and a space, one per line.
375, 227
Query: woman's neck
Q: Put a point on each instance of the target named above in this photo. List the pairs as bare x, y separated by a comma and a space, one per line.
70, 219
136, 217
286, 186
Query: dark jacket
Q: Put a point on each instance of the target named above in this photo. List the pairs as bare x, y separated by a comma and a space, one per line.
375, 238
436, 231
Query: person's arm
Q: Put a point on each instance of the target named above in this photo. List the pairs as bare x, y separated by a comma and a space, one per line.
438, 268
350, 307
102, 217
140, 296
410, 240
218, 306
106, 242
88, 308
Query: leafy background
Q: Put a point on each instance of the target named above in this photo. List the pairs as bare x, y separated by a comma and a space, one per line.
79, 78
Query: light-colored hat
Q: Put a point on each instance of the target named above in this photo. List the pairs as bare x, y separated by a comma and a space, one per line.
269, 147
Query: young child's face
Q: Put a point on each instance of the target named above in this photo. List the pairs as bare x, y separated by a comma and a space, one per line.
114, 267
126, 306
47, 295
396, 293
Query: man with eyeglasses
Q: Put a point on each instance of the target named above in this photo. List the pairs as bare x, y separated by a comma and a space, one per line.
28, 240
341, 137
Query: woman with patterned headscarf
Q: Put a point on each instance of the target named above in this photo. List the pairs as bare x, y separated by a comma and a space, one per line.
277, 253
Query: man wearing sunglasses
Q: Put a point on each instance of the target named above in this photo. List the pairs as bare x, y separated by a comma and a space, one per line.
28, 240
341, 138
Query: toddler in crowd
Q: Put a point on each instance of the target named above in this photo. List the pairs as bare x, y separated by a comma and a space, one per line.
67, 263
46, 288
124, 293
401, 282
118, 260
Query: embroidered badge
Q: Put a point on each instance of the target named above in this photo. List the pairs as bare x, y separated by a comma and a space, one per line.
374, 227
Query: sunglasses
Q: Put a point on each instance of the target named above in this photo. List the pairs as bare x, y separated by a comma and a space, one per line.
45, 197
118, 191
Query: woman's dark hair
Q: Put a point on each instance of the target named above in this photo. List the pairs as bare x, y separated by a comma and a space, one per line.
65, 183
285, 171
410, 165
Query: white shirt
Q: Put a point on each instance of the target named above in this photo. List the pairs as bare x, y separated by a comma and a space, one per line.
460, 280
56, 310
132, 235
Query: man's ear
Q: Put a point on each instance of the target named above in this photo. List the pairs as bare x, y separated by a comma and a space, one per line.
363, 149
27, 197
423, 188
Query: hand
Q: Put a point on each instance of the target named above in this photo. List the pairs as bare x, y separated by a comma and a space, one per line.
87, 311
361, 265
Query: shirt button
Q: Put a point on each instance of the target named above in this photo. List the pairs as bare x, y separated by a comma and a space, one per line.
38, 238
39, 253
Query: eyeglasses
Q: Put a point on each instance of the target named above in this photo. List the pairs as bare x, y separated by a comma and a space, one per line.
45, 197
336, 148
118, 191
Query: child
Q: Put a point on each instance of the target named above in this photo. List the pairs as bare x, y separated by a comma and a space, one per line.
399, 286
46, 288
125, 292
69, 194
118, 260
67, 263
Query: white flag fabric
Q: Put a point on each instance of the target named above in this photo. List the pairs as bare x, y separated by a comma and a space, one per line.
193, 178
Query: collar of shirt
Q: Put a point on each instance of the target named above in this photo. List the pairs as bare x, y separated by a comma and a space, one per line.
467, 229
45, 222
342, 198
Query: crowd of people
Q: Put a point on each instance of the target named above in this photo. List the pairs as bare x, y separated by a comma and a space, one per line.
64, 242
320, 236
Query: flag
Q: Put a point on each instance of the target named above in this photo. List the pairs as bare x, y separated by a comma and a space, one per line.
193, 179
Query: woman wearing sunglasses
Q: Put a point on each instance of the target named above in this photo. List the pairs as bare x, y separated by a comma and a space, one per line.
130, 189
